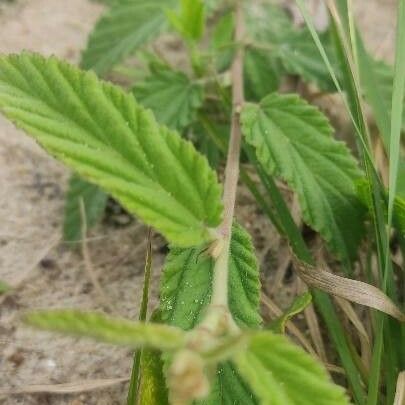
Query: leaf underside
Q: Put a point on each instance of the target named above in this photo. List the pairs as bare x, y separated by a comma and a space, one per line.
107, 329
281, 373
293, 140
124, 28
106, 137
186, 291
94, 202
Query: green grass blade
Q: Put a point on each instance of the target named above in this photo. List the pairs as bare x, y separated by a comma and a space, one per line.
135, 374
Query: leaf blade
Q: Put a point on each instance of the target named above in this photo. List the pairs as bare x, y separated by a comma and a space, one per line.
125, 27
107, 329
281, 373
284, 130
186, 291
103, 134
171, 95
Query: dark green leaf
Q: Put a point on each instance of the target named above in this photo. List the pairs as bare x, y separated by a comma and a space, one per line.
125, 27
262, 74
171, 95
186, 292
293, 140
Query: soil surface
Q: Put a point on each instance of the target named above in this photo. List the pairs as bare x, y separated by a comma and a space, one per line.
46, 273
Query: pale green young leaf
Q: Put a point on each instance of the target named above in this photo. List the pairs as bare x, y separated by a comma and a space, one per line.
281, 373
152, 386
186, 291
94, 201
104, 135
294, 140
107, 329
189, 22
297, 306
125, 27
171, 95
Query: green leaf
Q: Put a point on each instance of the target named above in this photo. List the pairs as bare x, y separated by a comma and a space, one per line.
171, 95
4, 288
190, 21
297, 306
107, 329
293, 140
94, 200
262, 74
283, 43
281, 373
124, 28
152, 387
104, 135
187, 283
186, 291
222, 40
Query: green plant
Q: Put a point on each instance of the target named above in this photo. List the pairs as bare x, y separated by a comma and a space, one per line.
207, 342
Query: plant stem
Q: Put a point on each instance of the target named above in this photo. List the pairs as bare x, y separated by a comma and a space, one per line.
220, 283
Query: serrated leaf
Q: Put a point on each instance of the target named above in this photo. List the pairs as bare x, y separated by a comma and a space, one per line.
190, 20
125, 27
262, 74
104, 135
281, 373
107, 329
221, 40
284, 43
171, 95
297, 306
94, 201
186, 291
293, 140
152, 387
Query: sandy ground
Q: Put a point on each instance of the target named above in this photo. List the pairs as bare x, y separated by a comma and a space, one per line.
47, 273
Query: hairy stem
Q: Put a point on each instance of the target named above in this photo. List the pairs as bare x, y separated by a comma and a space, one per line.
220, 284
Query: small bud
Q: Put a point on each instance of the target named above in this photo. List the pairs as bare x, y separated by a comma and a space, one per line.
187, 380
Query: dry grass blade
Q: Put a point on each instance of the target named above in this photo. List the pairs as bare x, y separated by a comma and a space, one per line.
313, 326
400, 391
104, 301
352, 290
66, 388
